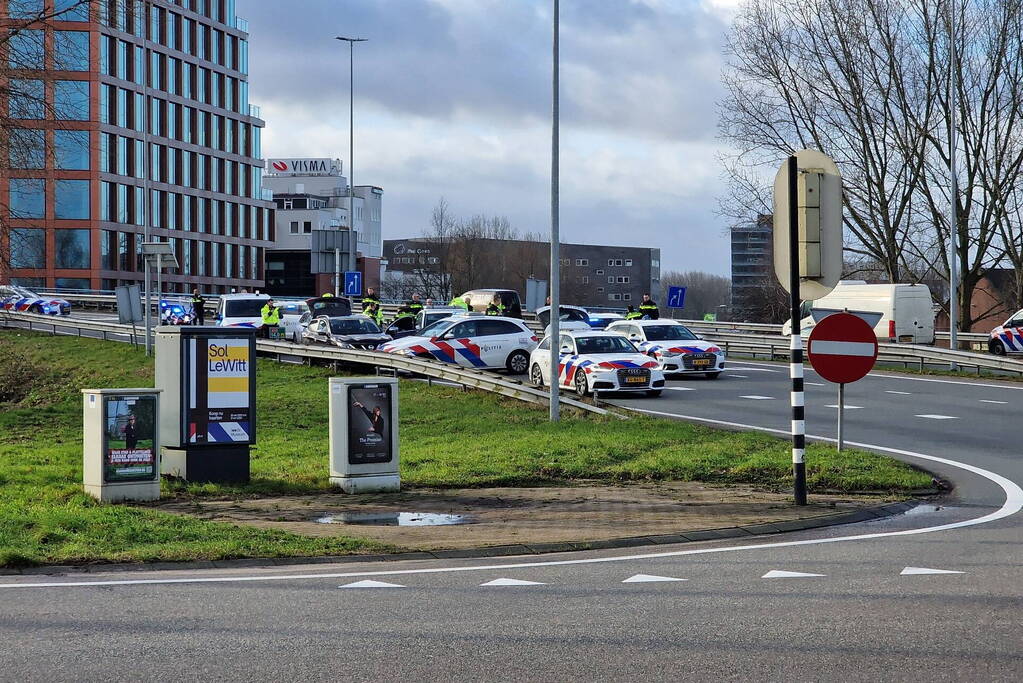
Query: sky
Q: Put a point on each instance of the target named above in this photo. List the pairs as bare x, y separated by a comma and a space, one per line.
453, 100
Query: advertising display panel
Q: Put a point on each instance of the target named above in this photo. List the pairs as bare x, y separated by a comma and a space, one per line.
364, 422
368, 423
129, 451
220, 393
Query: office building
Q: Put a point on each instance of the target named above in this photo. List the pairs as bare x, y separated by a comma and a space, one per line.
140, 109
752, 267
311, 219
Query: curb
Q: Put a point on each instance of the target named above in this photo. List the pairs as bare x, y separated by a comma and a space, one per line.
818, 522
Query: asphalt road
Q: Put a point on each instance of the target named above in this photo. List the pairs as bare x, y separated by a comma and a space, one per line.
728, 619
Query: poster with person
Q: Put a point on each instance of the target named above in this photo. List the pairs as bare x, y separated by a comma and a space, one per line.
369, 424
129, 453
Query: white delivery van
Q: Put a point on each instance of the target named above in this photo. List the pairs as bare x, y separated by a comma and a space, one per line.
241, 310
907, 312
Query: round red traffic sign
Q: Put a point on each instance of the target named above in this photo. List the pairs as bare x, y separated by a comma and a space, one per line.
842, 348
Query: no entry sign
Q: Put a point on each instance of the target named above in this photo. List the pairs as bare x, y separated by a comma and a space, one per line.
842, 348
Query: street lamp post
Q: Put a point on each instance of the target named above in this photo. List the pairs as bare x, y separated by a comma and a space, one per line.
953, 218
555, 309
351, 147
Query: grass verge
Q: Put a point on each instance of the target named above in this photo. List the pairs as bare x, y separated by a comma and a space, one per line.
449, 438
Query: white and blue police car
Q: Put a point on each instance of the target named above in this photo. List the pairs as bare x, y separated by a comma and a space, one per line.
678, 349
594, 361
17, 298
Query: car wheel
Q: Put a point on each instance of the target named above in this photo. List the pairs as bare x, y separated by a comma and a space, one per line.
653, 393
517, 363
580, 383
712, 375
305, 341
996, 347
536, 376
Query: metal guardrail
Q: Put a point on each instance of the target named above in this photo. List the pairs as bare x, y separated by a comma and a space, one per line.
477, 379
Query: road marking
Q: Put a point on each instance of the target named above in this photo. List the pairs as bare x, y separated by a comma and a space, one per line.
937, 417
368, 583
779, 574
815, 384
913, 571
900, 393
738, 376
745, 369
759, 398
650, 578
835, 405
907, 378
1001, 403
1013, 504
680, 389
512, 582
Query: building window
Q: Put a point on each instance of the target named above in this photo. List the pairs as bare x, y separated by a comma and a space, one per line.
618, 262
71, 149
72, 283
600, 271
25, 50
28, 248
27, 148
623, 279
72, 199
626, 297
71, 100
610, 279
307, 227
72, 248
67, 10
610, 262
600, 290
71, 51
27, 197
582, 262
614, 297
628, 262
26, 98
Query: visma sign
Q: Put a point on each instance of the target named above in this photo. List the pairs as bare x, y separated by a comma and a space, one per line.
331, 167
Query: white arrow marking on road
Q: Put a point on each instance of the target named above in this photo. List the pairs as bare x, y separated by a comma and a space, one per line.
938, 417
1001, 403
371, 584
912, 571
758, 398
779, 574
650, 578
900, 393
835, 405
823, 347
512, 582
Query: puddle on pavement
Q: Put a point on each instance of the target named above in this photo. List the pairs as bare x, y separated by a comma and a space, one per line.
924, 509
395, 519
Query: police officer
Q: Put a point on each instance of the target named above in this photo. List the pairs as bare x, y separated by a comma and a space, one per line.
198, 308
326, 295
415, 305
271, 317
370, 298
648, 309
632, 314
459, 302
405, 320
375, 314
495, 307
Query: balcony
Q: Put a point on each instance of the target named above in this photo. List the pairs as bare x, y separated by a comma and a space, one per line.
255, 111
241, 24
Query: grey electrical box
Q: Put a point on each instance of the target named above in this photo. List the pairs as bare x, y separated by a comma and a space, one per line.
364, 434
121, 444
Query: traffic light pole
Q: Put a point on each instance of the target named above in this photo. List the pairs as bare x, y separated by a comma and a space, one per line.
796, 346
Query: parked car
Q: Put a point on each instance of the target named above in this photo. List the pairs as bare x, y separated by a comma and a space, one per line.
599, 320
678, 349
479, 299
330, 306
176, 312
241, 310
569, 317
17, 298
592, 361
472, 341
346, 332
425, 318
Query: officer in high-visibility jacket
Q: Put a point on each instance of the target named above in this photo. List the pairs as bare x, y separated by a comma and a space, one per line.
415, 305
375, 314
271, 317
198, 308
405, 320
459, 302
632, 314
496, 307
369, 298
648, 309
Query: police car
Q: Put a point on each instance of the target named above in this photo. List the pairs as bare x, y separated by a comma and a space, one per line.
1007, 338
597, 361
569, 317
473, 341
678, 349
15, 298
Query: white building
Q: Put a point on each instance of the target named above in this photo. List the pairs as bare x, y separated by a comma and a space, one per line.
312, 195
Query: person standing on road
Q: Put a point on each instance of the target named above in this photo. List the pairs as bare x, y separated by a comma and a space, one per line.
271, 317
375, 314
648, 309
198, 308
415, 305
370, 298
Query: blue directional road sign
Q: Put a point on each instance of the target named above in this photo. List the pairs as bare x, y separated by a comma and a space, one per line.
676, 297
353, 283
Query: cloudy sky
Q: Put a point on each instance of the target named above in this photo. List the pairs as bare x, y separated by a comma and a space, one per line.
453, 100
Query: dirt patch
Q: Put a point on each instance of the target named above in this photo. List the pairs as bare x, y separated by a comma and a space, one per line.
502, 516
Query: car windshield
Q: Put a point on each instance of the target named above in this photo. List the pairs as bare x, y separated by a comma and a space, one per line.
244, 308
604, 345
663, 332
431, 318
353, 326
573, 314
336, 307
435, 329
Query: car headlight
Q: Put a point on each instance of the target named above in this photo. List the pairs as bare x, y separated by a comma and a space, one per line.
344, 345
670, 354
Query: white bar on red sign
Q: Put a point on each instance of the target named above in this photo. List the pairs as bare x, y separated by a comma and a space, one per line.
841, 348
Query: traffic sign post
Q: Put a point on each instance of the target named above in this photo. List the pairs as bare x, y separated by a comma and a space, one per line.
353, 283
677, 297
807, 262
842, 348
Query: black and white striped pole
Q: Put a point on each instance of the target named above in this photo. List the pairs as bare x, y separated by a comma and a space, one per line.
796, 343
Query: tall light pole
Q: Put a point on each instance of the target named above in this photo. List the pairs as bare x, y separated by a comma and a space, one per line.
353, 242
953, 218
555, 310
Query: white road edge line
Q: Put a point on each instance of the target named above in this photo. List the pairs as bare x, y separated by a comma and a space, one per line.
1013, 504
895, 375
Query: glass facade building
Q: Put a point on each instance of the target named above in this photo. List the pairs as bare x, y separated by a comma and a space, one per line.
132, 119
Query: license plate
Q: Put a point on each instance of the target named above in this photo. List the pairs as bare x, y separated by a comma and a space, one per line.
905, 337
701, 362
635, 380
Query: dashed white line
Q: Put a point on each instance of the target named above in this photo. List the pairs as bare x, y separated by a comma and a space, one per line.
739, 376
680, 389
848, 407
900, 393
815, 384
758, 398
938, 417
985, 400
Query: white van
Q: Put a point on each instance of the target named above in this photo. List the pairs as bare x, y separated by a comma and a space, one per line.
241, 310
907, 311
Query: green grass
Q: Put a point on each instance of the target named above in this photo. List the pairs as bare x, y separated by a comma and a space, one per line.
449, 438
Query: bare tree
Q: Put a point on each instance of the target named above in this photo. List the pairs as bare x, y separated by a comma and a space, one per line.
705, 292
867, 81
